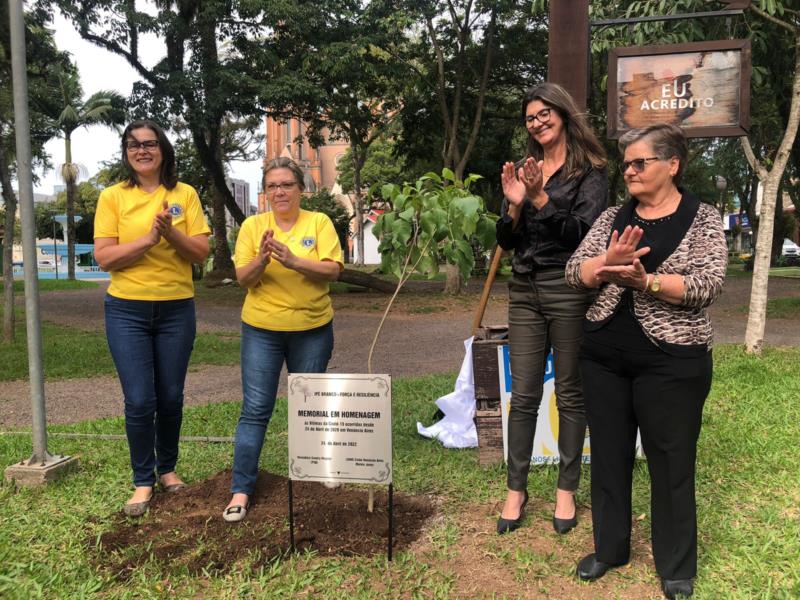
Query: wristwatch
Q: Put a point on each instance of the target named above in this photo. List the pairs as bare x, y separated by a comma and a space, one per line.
655, 287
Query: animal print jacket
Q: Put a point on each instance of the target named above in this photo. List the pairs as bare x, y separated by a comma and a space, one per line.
701, 257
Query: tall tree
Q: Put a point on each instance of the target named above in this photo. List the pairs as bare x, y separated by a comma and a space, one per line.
41, 56
340, 68
211, 68
105, 107
771, 178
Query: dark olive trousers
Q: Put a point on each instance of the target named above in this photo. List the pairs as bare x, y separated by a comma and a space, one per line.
663, 396
543, 312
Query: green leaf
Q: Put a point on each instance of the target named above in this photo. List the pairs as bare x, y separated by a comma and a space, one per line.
448, 175
407, 215
468, 205
402, 231
486, 232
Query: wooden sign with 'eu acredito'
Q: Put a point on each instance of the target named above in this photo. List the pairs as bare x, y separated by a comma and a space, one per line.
702, 87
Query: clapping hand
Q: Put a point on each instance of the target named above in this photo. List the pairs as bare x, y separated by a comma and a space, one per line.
532, 178
264, 248
513, 187
622, 248
632, 275
163, 221
281, 252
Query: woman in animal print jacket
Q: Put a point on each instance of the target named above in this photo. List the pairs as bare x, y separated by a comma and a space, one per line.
659, 261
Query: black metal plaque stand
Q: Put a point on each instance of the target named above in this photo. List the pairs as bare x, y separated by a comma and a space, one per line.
291, 517
391, 521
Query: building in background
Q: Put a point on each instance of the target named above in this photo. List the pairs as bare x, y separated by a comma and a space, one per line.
241, 194
320, 165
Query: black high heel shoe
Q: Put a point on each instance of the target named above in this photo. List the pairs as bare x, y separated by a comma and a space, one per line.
509, 525
565, 525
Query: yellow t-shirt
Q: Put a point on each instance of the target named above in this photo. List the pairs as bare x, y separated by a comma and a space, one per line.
127, 213
286, 300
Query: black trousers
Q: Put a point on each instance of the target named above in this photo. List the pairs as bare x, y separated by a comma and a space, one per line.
543, 312
663, 395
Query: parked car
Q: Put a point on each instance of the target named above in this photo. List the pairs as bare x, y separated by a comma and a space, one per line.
790, 248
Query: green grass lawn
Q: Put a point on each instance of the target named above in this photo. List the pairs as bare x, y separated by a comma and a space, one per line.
779, 308
747, 486
69, 352
53, 285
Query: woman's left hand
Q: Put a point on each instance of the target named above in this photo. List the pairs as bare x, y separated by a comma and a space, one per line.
531, 176
281, 253
632, 276
163, 221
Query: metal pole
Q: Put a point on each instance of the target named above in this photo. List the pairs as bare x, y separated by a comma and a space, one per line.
291, 517
391, 520
55, 248
25, 180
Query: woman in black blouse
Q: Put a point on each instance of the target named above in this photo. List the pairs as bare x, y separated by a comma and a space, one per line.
552, 198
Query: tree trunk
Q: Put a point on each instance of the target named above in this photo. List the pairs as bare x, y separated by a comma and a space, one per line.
70, 182
366, 280
359, 203
453, 283
757, 317
223, 264
8, 249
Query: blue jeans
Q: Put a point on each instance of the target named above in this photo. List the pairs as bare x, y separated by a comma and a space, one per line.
151, 342
263, 355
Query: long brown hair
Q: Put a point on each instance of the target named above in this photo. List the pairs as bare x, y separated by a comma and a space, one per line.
583, 147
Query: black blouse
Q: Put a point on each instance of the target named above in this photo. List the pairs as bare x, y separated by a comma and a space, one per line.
546, 238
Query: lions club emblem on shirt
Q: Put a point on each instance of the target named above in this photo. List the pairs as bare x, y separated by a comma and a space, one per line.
176, 210
307, 242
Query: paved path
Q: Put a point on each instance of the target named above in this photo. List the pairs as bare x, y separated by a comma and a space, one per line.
410, 345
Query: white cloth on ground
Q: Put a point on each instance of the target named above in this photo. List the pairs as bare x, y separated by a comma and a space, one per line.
457, 428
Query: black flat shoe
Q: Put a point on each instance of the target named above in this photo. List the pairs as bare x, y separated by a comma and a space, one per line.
677, 588
509, 525
589, 568
565, 525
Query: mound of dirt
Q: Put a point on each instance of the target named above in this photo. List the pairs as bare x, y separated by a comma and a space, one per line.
186, 528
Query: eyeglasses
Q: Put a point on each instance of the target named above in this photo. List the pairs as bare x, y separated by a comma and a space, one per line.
543, 116
132, 145
287, 187
638, 164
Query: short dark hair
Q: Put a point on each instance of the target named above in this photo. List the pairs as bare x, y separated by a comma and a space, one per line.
167, 174
283, 162
583, 147
667, 141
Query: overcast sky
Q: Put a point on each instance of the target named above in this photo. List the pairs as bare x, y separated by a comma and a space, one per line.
102, 70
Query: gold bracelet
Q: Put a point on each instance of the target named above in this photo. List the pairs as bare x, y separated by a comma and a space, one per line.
647, 282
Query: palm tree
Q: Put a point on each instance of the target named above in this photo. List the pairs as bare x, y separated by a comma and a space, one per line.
105, 107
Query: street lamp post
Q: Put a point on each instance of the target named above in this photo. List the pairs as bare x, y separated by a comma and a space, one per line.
55, 248
721, 184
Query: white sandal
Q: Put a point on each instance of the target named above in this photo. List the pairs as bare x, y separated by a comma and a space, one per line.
235, 513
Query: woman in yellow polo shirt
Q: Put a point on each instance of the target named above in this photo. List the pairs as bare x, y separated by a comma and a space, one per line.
148, 230
286, 259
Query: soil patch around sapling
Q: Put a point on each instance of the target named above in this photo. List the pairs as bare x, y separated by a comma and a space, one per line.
186, 528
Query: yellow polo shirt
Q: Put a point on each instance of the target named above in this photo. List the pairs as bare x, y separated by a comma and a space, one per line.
127, 213
286, 300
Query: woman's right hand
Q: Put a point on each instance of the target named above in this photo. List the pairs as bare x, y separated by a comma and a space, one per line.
513, 189
264, 249
622, 248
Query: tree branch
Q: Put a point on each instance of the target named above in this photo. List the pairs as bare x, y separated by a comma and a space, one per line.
119, 50
487, 67
754, 163
793, 121
764, 15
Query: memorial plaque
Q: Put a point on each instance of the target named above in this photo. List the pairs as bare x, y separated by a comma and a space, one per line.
702, 87
340, 428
